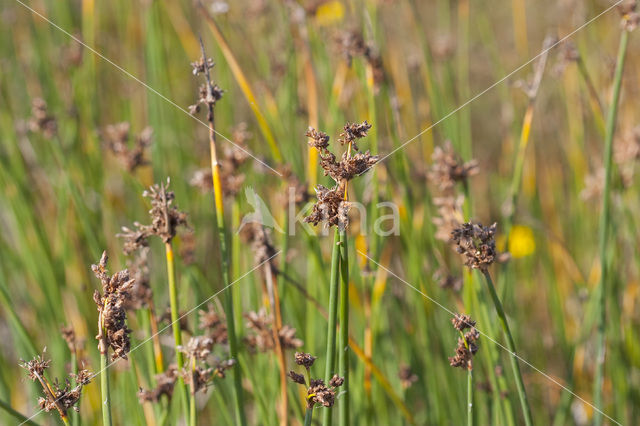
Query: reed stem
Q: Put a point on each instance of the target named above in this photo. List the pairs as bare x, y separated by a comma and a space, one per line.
333, 313
104, 389
522, 395
604, 227
308, 416
175, 320
343, 357
225, 253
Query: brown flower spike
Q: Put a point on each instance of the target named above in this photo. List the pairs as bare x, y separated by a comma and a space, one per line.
476, 243
113, 331
317, 392
56, 396
332, 207
467, 343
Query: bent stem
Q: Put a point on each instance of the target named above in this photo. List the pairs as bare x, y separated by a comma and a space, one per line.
343, 360
522, 395
604, 227
333, 311
175, 320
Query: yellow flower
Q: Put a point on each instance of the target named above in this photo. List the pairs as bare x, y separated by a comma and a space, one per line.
329, 13
521, 241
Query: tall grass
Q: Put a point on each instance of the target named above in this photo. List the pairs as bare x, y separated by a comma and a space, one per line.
571, 300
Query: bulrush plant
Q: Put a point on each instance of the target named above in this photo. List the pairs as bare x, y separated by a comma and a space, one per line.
112, 329
208, 95
318, 393
465, 351
165, 221
476, 244
332, 209
57, 396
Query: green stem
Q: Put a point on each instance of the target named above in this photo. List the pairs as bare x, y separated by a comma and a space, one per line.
526, 411
604, 226
470, 398
308, 416
175, 321
343, 357
333, 311
104, 388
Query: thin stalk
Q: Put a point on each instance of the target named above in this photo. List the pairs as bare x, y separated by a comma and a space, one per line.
470, 397
343, 357
157, 348
469, 388
104, 389
333, 313
224, 250
274, 301
522, 395
175, 319
604, 226
308, 416
192, 401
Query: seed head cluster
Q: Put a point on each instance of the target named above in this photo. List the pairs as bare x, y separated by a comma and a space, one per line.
165, 220
116, 139
41, 121
467, 344
448, 169
476, 243
198, 371
317, 392
332, 208
112, 329
57, 396
262, 338
630, 16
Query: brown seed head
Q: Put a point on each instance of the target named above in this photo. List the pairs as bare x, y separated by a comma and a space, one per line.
476, 243
304, 359
447, 168
113, 331
461, 322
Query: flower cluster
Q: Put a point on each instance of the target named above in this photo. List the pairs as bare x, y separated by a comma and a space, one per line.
317, 392
198, 372
352, 45
262, 336
165, 220
165, 383
467, 344
476, 243
332, 207
41, 121
113, 332
116, 139
56, 395
448, 169
140, 295
208, 94
213, 324
630, 16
